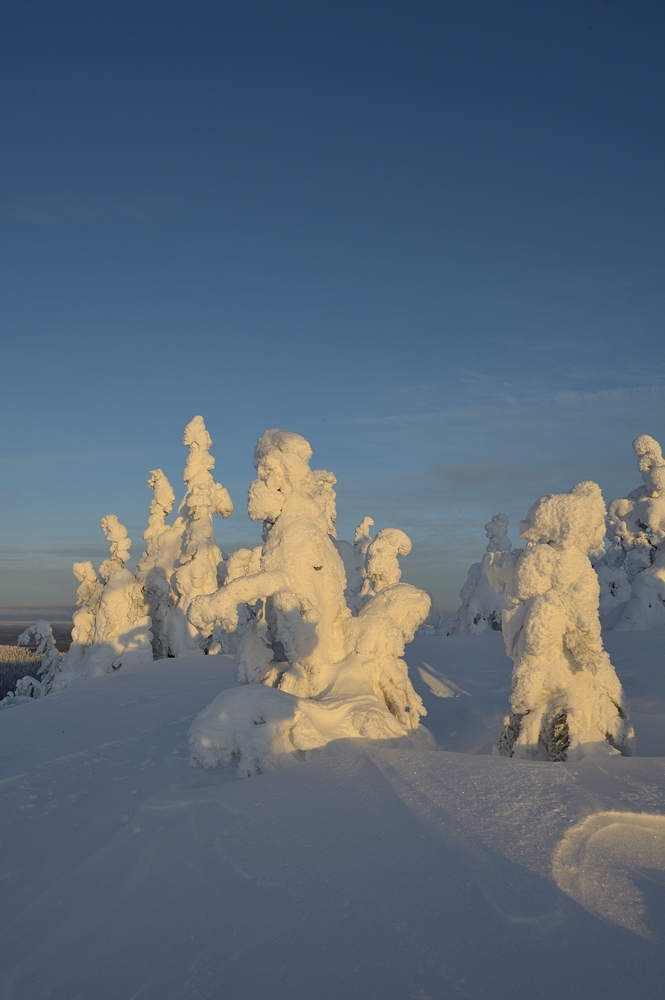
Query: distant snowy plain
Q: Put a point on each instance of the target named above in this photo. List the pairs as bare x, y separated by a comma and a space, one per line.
379, 874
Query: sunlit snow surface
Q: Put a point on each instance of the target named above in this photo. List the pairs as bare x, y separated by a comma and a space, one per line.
385, 873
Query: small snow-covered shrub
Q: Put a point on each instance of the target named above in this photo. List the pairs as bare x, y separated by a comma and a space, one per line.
632, 571
565, 691
481, 607
315, 673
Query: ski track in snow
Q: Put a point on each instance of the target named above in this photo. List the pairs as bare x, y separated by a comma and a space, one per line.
385, 874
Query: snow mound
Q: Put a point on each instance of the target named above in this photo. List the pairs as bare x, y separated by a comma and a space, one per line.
598, 861
565, 690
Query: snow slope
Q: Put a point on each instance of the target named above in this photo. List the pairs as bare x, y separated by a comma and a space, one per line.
386, 873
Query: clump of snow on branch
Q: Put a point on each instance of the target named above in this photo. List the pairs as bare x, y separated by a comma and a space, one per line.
121, 633
481, 607
632, 571
314, 673
28, 687
200, 567
565, 691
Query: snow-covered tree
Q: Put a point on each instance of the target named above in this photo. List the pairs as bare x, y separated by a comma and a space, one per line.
88, 597
200, 567
156, 566
481, 607
314, 672
354, 557
121, 633
565, 691
29, 687
632, 571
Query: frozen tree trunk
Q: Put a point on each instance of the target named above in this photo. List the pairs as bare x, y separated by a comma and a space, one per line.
482, 606
200, 567
566, 695
315, 674
632, 581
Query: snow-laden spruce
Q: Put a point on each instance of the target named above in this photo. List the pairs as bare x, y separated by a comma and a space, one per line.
481, 607
632, 571
314, 673
156, 566
111, 628
200, 566
125, 617
566, 694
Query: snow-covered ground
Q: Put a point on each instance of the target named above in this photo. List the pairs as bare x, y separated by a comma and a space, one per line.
385, 873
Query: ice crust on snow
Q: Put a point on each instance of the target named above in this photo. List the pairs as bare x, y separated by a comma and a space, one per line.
315, 672
482, 606
566, 694
632, 571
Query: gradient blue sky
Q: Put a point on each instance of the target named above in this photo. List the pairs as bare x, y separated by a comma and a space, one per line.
427, 236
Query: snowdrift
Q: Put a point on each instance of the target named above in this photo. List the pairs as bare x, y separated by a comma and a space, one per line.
385, 873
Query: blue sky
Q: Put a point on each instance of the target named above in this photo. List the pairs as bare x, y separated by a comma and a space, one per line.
427, 236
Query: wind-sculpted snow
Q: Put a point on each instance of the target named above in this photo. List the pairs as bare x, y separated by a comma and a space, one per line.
482, 606
565, 691
286, 615
599, 861
632, 571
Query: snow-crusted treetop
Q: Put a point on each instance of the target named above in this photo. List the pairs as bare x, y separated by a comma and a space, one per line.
200, 499
161, 505
383, 568
41, 633
86, 575
116, 534
649, 459
568, 520
496, 531
362, 538
649, 456
281, 459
